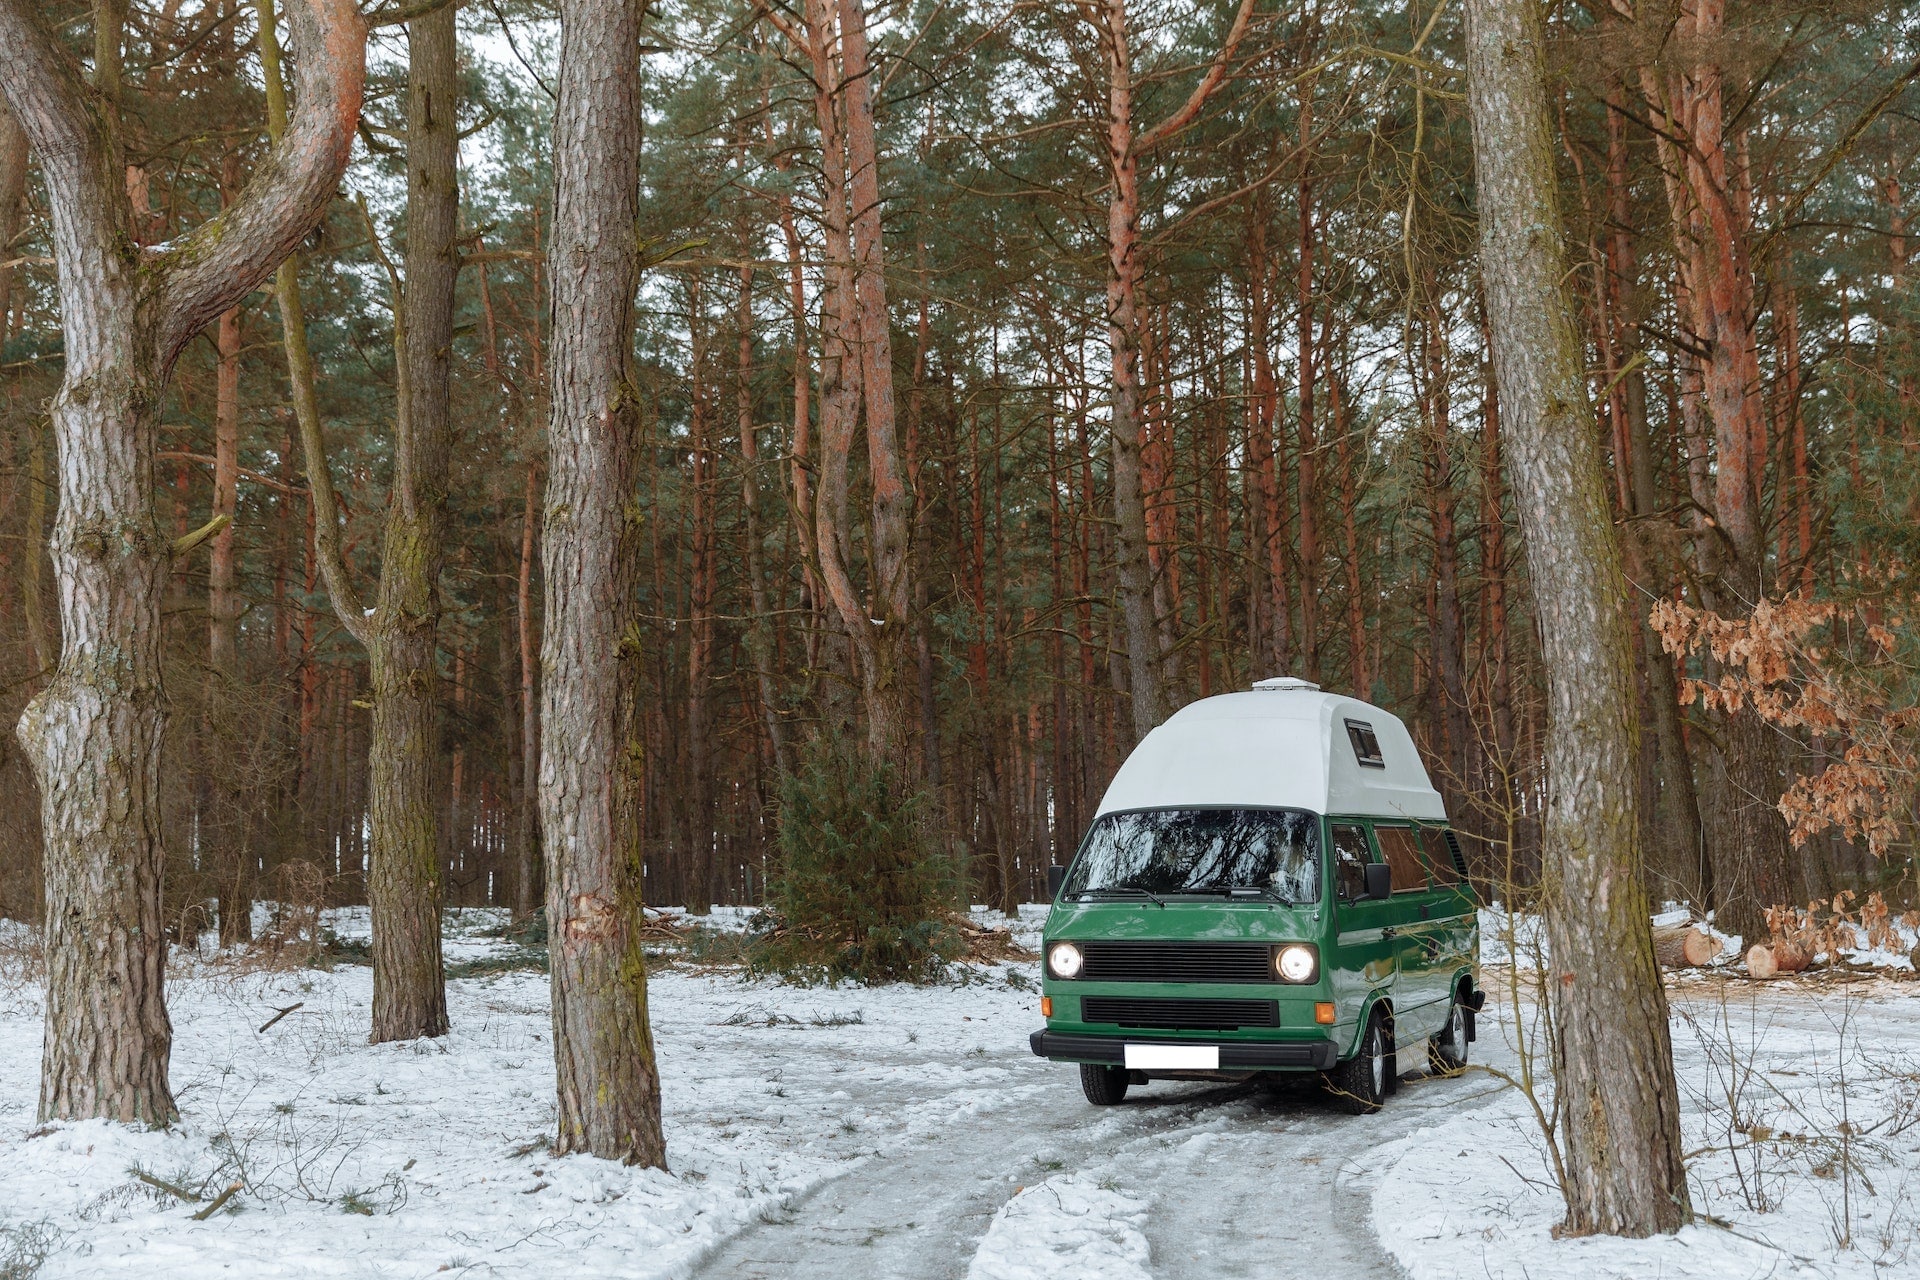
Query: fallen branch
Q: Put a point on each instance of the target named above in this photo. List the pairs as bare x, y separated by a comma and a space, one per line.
165, 1186
218, 1200
298, 1004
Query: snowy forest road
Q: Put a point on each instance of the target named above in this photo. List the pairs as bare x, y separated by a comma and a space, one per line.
1231, 1174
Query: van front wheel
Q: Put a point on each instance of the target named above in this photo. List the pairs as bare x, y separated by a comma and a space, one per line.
1358, 1085
1104, 1086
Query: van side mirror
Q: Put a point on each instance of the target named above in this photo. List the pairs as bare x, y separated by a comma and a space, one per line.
1056, 877
1379, 880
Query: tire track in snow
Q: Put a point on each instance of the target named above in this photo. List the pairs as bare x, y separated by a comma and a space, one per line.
1235, 1178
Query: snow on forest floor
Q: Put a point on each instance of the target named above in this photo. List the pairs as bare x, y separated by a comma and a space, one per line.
1800, 1117
412, 1158
845, 1132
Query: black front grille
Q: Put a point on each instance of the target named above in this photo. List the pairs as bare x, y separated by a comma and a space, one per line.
1177, 962
1180, 1015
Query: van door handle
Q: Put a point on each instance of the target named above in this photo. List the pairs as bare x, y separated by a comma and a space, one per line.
1389, 932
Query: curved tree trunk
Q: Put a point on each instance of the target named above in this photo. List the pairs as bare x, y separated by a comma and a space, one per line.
1613, 1058
93, 735
590, 788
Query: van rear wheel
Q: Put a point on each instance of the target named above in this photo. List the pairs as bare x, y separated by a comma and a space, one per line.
1358, 1085
1104, 1086
1447, 1052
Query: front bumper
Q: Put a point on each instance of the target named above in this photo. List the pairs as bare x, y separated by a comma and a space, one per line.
1242, 1055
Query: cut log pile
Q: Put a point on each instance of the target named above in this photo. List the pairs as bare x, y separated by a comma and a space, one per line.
1684, 947
1770, 960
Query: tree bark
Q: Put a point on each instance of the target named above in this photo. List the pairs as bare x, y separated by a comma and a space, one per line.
760, 626
223, 838
403, 756
1124, 146
1132, 570
699, 851
93, 735
1674, 853
526, 885
889, 699
1305, 362
1751, 860
1613, 1058
590, 783
1449, 641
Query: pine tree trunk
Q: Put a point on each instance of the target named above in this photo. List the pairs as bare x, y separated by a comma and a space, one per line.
700, 860
1132, 570
1309, 443
527, 888
1613, 1059
1449, 640
590, 788
760, 627
888, 697
403, 757
1359, 675
93, 735
1671, 814
1750, 857
226, 835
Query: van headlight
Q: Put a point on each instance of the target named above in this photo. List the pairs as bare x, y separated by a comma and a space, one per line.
1297, 963
1064, 960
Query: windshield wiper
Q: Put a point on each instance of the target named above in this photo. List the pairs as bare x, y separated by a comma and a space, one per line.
1252, 891
1124, 889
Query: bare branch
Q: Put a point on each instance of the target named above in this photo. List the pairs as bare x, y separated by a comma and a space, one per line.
395, 15
1201, 92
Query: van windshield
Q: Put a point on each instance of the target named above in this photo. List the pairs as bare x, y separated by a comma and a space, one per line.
1256, 853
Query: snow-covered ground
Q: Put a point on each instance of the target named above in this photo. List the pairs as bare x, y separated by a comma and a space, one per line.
906, 1132
1800, 1117
409, 1159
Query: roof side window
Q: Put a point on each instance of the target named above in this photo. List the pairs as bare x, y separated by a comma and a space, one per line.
1401, 847
1440, 847
1366, 747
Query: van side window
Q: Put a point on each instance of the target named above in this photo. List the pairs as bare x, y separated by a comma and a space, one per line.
1350, 858
1401, 845
1366, 744
1440, 857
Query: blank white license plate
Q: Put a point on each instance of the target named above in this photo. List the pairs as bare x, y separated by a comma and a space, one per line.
1173, 1057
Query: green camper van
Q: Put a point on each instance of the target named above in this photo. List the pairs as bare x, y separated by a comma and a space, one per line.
1269, 885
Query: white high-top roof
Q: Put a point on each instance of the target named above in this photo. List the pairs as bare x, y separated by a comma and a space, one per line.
1283, 745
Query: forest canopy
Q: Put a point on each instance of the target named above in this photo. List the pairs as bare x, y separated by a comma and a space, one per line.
1105, 355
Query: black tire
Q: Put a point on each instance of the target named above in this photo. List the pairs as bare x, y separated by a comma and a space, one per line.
1104, 1086
1447, 1052
1360, 1084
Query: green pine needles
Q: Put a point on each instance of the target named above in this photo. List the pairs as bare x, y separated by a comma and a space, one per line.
863, 890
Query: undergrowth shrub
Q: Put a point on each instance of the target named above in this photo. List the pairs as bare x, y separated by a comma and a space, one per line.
24, 1246
862, 889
